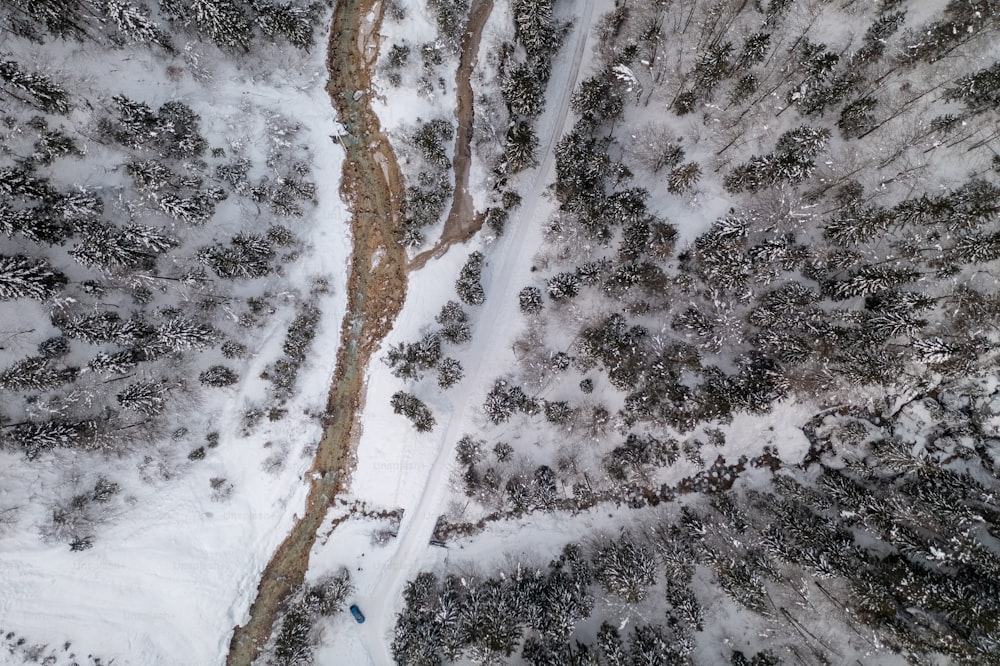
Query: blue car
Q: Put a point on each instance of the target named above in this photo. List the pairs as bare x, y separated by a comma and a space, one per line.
358, 615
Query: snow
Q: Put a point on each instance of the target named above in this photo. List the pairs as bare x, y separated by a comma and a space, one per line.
173, 572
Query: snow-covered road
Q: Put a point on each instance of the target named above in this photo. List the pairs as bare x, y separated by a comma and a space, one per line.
507, 269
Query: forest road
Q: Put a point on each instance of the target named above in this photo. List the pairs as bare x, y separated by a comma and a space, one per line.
372, 186
510, 261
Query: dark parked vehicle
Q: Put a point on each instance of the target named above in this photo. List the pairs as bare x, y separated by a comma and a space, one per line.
358, 615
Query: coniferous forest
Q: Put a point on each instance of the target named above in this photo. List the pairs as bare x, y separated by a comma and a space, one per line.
763, 210
144, 243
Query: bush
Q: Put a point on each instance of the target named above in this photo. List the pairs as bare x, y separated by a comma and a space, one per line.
218, 375
530, 299
414, 409
469, 288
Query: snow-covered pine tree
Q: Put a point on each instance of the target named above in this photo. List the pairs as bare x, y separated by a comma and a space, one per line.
133, 23
523, 91
454, 323
147, 397
36, 373
530, 299
24, 277
410, 360
519, 148
42, 91
217, 376
625, 567
450, 372
468, 285
294, 22
180, 333
414, 409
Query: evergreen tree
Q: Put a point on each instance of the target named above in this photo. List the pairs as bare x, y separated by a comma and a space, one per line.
683, 178
180, 333
294, 22
468, 285
523, 90
410, 360
519, 148
414, 409
42, 91
23, 277
530, 299
36, 373
979, 91
248, 256
563, 286
145, 397
38, 437
217, 376
450, 372
224, 22
454, 323
626, 568
132, 22
598, 99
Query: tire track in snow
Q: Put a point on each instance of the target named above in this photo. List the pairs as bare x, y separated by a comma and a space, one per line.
512, 255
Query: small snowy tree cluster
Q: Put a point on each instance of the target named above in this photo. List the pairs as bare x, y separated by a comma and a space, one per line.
793, 160
301, 332
414, 409
505, 399
469, 285
430, 188
411, 360
233, 24
295, 640
454, 323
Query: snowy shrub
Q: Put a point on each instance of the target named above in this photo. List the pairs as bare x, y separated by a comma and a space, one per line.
409, 360
414, 409
563, 286
450, 372
454, 323
217, 376
468, 285
530, 299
